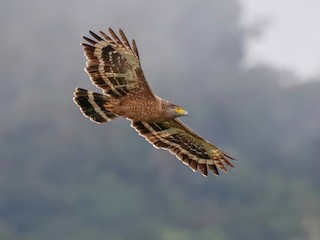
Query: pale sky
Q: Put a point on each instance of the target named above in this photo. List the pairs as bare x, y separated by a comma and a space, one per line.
291, 35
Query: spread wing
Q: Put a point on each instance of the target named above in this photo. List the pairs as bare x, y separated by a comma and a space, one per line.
114, 66
190, 148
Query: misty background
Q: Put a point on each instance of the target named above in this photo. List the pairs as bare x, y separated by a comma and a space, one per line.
64, 177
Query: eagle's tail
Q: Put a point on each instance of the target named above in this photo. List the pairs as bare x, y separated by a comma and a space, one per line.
92, 105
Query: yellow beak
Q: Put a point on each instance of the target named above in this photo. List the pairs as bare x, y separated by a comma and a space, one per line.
181, 111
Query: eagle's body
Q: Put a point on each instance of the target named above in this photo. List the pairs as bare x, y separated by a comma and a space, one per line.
115, 67
140, 108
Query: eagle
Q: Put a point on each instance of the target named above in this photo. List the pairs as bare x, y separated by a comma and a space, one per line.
113, 65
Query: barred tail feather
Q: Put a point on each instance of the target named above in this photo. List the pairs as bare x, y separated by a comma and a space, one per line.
92, 104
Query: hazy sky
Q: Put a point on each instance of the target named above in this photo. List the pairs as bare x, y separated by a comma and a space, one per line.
291, 34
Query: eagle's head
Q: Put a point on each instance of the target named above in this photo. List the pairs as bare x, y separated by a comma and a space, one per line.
172, 110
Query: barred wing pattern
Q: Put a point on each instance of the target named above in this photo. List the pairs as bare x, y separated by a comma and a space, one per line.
114, 66
190, 148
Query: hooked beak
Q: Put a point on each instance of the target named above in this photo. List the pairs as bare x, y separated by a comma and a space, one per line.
185, 113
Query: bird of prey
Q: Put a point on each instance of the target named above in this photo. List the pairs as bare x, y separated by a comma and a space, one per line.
113, 65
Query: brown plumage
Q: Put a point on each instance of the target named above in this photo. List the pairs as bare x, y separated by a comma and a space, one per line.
114, 66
